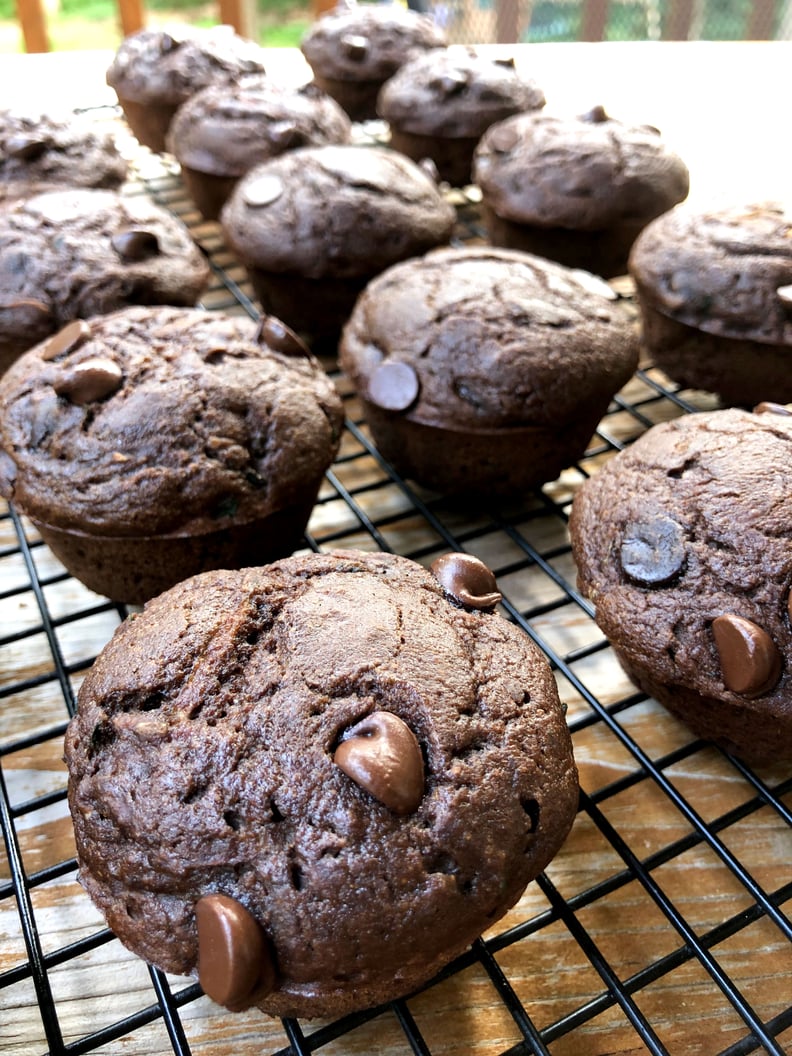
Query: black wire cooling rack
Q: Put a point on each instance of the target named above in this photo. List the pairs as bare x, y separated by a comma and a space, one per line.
662, 926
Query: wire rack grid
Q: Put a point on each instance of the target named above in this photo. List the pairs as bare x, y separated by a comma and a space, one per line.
661, 927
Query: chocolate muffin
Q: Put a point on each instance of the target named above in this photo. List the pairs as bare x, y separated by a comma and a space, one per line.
484, 372
154, 443
578, 190
40, 152
155, 70
439, 104
72, 254
353, 49
350, 772
226, 129
313, 226
715, 292
682, 544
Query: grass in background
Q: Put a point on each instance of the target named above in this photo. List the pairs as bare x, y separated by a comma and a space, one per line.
92, 24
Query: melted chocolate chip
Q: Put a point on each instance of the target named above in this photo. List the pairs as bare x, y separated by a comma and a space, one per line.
67, 340
381, 754
277, 336
503, 138
262, 190
234, 959
286, 136
451, 83
467, 579
393, 386
653, 551
354, 46
135, 244
25, 148
750, 660
597, 115
93, 379
768, 407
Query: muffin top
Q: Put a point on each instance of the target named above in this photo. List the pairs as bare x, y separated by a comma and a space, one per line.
688, 526
44, 151
367, 768
455, 93
226, 129
584, 173
167, 66
71, 254
726, 271
157, 420
335, 210
367, 42
476, 337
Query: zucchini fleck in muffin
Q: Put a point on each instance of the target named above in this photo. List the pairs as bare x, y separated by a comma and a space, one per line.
314, 783
154, 443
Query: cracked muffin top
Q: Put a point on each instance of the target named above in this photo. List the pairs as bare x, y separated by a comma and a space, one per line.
44, 152
155, 420
360, 42
72, 254
682, 544
726, 271
488, 338
583, 173
168, 66
340, 210
226, 129
455, 93
348, 766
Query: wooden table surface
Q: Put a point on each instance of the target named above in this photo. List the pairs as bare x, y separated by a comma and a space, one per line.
636, 848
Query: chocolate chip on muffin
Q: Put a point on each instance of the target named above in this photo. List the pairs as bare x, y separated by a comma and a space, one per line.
682, 544
485, 371
71, 254
314, 225
154, 443
314, 783
354, 49
40, 152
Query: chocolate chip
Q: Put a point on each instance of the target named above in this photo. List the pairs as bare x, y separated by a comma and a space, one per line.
169, 43
653, 550
262, 190
135, 244
393, 386
768, 407
25, 148
277, 336
354, 46
749, 658
467, 579
595, 116
93, 379
503, 137
67, 339
450, 83
234, 959
286, 136
784, 294
381, 754
429, 168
